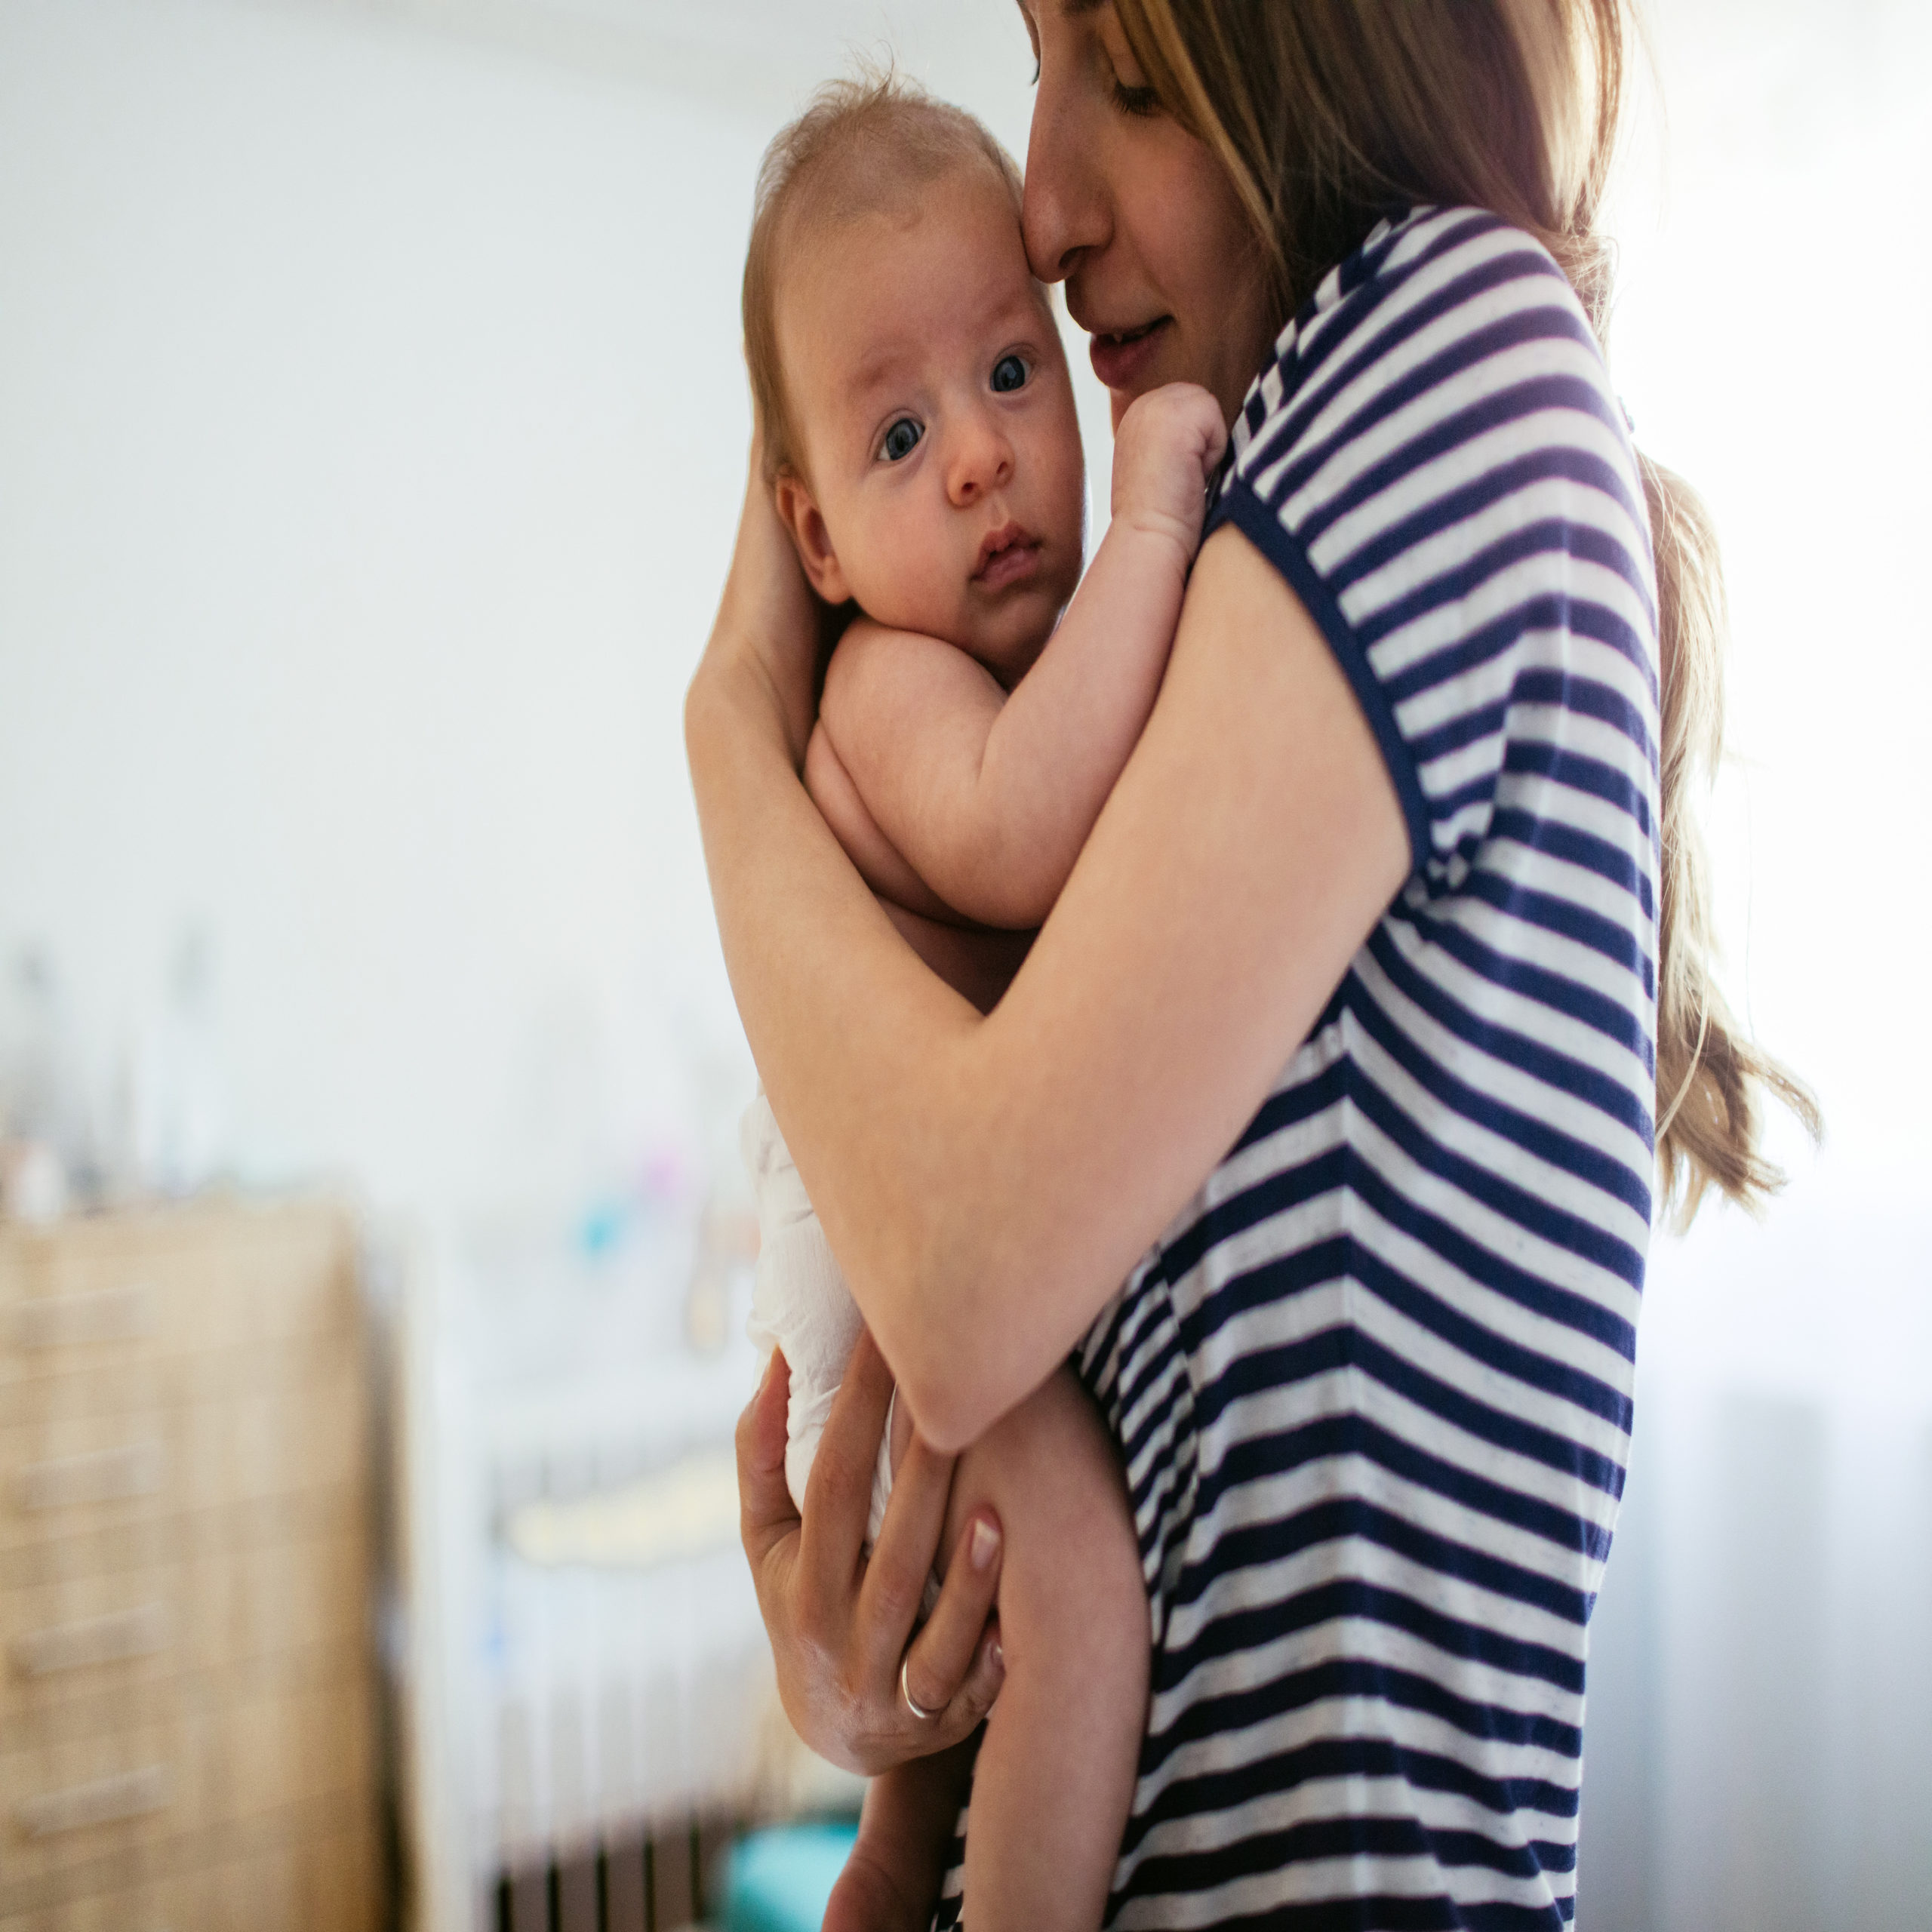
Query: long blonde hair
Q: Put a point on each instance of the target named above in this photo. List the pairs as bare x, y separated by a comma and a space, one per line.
1324, 113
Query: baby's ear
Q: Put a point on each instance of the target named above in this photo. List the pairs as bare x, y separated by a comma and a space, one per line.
810, 537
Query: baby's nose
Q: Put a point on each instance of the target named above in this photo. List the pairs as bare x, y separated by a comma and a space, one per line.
982, 461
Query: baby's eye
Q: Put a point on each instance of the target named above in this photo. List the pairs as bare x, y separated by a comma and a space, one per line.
1009, 373
901, 440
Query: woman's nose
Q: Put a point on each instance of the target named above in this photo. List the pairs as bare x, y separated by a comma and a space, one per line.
979, 461
1064, 211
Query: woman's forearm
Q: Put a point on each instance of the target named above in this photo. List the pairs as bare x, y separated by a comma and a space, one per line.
863, 1050
895, 1102
986, 1182
850, 1030
895, 1105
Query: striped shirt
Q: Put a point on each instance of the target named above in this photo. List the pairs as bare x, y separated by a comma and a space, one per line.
1372, 1387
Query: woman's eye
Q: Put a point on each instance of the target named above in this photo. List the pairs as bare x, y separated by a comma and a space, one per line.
1009, 373
901, 440
1126, 83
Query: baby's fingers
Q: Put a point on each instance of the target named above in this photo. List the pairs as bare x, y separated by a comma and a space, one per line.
1200, 416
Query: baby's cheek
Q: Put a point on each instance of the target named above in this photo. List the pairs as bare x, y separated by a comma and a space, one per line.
908, 588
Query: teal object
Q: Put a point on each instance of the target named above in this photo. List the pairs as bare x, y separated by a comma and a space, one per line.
780, 1880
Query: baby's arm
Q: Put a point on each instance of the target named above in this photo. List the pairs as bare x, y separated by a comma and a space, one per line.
976, 961
983, 798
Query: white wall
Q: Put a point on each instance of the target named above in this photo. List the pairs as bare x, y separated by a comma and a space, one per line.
1769, 339
371, 427
1759, 1753
371, 422
370, 416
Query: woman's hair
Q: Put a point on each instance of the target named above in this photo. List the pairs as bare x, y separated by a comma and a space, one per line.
1326, 113
862, 145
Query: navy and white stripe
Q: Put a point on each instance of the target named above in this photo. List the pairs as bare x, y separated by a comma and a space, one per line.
1372, 1387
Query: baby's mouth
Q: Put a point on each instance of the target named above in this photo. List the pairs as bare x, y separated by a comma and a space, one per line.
1006, 556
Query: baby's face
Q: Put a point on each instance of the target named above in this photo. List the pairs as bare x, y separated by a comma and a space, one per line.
946, 489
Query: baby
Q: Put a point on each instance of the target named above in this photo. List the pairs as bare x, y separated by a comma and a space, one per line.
920, 435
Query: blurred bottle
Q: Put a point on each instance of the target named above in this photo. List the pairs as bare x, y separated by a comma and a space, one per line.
33, 1051
174, 1130
718, 1298
43, 1122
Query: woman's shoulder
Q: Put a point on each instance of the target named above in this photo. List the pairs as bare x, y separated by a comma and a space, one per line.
1449, 304
1435, 458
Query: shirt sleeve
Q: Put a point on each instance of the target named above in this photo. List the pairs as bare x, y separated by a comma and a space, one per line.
1436, 464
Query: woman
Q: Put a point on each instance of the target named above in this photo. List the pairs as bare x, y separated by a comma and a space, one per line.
1379, 904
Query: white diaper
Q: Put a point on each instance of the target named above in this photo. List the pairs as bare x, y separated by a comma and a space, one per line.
800, 1303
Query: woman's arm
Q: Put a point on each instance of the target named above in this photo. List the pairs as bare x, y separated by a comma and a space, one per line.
989, 1182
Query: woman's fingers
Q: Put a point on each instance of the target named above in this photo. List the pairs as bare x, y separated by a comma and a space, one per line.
838, 1492
839, 1628
766, 1515
768, 608
954, 1666
904, 1553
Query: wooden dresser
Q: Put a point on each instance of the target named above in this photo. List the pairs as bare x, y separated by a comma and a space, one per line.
187, 1739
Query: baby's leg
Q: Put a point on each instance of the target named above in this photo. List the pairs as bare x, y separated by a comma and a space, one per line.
1056, 1772
892, 1876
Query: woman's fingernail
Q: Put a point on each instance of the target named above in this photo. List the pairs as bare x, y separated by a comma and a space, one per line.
985, 1544
997, 1651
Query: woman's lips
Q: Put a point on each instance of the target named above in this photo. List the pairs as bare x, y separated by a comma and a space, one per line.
1120, 360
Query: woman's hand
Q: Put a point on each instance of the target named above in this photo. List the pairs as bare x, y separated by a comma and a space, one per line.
840, 1621
769, 624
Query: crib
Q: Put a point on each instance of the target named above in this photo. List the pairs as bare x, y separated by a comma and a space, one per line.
589, 1710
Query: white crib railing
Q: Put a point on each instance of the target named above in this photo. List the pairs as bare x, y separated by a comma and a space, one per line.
587, 1685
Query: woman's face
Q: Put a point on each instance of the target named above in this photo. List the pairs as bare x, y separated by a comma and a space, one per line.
1138, 219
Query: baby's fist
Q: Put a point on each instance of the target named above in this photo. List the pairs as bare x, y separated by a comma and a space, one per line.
1165, 451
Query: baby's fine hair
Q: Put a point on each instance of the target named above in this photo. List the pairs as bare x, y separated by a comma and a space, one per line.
862, 145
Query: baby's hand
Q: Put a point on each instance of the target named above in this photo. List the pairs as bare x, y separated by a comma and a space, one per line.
1165, 451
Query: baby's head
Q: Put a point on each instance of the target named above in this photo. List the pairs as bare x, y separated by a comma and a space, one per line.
918, 421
